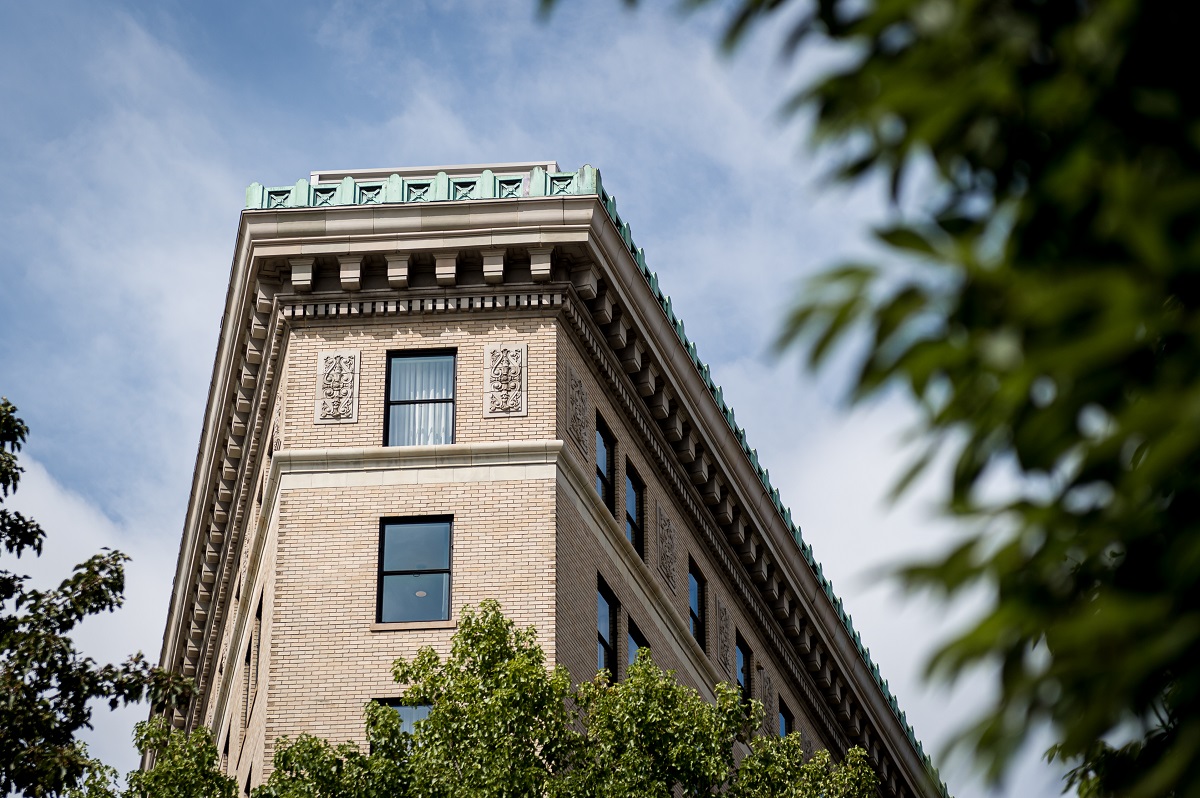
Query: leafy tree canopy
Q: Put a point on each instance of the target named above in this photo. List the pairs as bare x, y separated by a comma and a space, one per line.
45, 681
1047, 327
501, 724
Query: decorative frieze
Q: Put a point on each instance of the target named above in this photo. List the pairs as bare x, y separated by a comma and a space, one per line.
666, 548
577, 424
724, 638
770, 704
337, 387
506, 380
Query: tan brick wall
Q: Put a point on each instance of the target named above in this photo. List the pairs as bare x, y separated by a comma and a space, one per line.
467, 333
325, 660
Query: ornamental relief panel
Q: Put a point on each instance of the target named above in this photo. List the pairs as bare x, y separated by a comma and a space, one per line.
770, 723
577, 422
666, 548
724, 635
505, 380
337, 387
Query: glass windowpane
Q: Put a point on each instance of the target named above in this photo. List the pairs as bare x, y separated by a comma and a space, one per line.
603, 620
421, 424
601, 452
415, 597
410, 715
416, 547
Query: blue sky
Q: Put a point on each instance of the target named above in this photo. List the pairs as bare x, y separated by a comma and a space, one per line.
128, 135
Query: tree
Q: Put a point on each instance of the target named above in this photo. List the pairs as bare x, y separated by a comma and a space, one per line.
47, 683
185, 766
501, 724
1046, 324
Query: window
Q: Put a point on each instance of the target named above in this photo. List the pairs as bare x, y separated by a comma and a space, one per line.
744, 661
635, 511
787, 721
414, 571
697, 604
606, 628
420, 399
605, 446
409, 715
636, 641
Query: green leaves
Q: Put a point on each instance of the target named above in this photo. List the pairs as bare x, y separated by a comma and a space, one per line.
776, 768
46, 684
1047, 323
501, 724
185, 765
648, 735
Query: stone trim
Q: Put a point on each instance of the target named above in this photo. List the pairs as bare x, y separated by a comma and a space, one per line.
413, 626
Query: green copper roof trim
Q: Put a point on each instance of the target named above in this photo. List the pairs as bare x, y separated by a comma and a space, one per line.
586, 181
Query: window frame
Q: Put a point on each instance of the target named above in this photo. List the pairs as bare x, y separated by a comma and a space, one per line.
744, 669
634, 641
635, 523
608, 475
608, 646
698, 616
380, 573
787, 720
397, 704
388, 403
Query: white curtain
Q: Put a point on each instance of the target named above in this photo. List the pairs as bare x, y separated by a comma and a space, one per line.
420, 379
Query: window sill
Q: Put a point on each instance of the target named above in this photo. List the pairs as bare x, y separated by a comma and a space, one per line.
405, 626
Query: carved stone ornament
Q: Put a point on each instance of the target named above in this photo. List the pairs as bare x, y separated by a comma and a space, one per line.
577, 423
666, 548
769, 702
337, 387
807, 745
505, 380
724, 644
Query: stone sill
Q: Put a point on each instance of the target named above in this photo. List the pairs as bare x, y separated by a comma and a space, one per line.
409, 626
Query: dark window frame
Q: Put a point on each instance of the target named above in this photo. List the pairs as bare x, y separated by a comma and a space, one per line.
787, 721
634, 640
607, 646
607, 476
396, 354
635, 522
698, 615
380, 573
744, 668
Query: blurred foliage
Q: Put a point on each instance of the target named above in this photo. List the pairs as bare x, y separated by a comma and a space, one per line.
46, 683
502, 725
1045, 320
